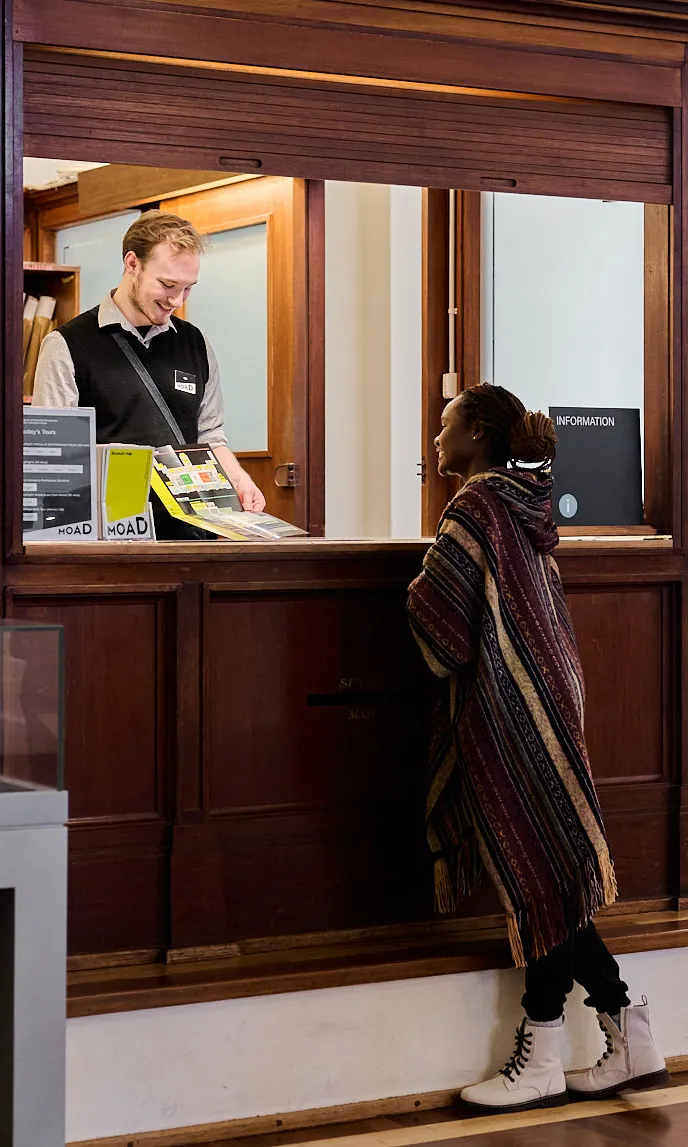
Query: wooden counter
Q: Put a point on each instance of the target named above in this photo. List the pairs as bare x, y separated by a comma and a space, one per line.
246, 729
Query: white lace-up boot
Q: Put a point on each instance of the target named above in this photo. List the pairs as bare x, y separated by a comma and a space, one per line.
533, 1077
632, 1059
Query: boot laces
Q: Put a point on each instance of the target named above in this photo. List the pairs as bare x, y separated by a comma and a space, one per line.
609, 1040
519, 1060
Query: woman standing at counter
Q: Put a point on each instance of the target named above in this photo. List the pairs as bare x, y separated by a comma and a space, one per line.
510, 786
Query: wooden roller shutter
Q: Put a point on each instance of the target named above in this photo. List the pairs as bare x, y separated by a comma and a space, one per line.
135, 111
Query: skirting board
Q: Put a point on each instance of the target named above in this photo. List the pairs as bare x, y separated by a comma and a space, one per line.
216, 1133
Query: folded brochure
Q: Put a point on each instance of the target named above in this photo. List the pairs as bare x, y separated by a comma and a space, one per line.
194, 488
124, 473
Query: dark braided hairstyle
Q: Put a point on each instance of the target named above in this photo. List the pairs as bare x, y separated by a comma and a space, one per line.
516, 434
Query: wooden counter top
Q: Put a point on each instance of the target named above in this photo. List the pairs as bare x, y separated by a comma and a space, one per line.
75, 552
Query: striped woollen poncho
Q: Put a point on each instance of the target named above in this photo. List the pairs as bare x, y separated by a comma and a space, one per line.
510, 782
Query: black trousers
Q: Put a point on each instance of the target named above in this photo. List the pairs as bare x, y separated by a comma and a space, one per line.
584, 958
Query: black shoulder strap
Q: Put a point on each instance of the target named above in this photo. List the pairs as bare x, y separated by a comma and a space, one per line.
149, 385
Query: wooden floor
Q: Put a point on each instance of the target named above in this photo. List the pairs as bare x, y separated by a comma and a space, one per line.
650, 1119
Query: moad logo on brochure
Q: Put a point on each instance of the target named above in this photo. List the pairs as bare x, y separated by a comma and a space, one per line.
74, 531
136, 528
80, 529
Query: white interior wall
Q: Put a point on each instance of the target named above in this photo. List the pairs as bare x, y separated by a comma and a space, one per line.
344, 394
372, 360
202, 1063
40, 174
406, 359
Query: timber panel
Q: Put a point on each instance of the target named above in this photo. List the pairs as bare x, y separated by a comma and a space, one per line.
117, 761
319, 128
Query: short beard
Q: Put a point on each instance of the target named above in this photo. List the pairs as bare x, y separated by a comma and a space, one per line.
135, 300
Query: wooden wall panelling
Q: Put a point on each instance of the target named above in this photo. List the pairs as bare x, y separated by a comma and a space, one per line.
627, 638
318, 129
287, 823
315, 793
612, 563
118, 887
629, 642
378, 51
118, 758
642, 823
189, 677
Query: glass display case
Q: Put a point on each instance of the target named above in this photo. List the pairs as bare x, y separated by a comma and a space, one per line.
31, 707
33, 886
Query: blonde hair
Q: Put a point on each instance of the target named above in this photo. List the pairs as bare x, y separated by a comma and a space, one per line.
153, 227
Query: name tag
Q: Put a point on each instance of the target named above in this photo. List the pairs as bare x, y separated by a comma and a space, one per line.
185, 382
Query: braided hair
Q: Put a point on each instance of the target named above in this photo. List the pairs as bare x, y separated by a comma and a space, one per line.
515, 434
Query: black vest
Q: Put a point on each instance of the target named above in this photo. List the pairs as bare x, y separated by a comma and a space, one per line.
105, 379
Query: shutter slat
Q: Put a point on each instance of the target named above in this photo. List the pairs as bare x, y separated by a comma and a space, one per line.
350, 131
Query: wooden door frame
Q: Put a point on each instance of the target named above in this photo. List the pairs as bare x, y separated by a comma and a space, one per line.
292, 318
436, 490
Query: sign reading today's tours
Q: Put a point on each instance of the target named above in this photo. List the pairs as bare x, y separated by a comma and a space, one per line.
597, 472
59, 475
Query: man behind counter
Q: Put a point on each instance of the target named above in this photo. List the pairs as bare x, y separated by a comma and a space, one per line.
81, 364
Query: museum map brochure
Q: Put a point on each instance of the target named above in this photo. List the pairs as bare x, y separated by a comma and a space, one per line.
194, 488
124, 477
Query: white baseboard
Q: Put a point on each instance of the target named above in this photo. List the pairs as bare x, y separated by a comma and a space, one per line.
211, 1065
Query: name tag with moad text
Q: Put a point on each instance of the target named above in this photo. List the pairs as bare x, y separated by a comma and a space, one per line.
185, 382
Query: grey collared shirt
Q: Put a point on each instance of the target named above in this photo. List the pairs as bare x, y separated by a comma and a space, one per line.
55, 383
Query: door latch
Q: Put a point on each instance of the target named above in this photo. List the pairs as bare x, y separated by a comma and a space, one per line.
288, 475
422, 472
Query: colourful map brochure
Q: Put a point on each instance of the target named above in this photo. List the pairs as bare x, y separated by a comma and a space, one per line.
194, 488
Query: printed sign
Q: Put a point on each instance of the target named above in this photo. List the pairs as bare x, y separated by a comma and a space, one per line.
59, 475
597, 472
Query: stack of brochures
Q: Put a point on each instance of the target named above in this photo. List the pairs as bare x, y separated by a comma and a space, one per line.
194, 488
124, 478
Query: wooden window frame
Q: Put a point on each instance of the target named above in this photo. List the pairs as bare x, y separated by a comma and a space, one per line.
657, 387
